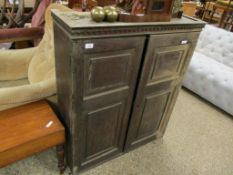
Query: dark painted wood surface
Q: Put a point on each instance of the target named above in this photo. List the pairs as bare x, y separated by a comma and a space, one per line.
107, 76
117, 84
165, 58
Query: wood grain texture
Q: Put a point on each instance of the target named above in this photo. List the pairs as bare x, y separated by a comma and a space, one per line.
104, 80
145, 18
118, 83
63, 56
162, 68
23, 131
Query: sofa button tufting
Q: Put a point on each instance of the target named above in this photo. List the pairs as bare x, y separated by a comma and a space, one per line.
210, 76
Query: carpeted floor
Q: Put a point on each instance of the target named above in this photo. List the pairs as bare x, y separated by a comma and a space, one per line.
198, 141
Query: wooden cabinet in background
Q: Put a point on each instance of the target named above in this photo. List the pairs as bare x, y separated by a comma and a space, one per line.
189, 8
118, 82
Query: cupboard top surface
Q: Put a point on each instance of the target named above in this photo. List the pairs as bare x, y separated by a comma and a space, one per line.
72, 21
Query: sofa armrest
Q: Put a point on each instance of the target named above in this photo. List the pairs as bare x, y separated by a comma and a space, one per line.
14, 63
16, 96
20, 34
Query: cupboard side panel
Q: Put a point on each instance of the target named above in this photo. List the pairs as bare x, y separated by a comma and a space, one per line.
63, 56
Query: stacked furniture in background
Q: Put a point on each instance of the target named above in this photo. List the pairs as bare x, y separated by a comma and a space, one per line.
227, 17
210, 73
221, 12
208, 14
35, 32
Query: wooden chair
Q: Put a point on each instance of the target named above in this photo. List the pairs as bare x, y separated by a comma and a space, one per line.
211, 13
227, 17
226, 9
227, 22
12, 15
35, 32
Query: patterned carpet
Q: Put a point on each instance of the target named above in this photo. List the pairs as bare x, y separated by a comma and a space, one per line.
198, 141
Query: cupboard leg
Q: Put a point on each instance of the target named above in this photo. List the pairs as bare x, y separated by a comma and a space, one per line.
60, 156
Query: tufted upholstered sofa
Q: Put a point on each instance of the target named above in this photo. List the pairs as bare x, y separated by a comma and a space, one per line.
210, 73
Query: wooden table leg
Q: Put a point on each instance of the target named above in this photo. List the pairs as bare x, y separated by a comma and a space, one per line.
60, 157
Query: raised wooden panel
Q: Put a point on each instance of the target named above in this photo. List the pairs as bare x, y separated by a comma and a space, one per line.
153, 110
161, 73
160, 87
106, 83
98, 75
146, 117
167, 62
98, 140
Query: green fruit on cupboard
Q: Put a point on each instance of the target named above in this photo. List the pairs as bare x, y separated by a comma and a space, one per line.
107, 9
108, 13
97, 14
111, 13
112, 16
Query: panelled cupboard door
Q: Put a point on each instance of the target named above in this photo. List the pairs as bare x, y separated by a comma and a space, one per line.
162, 69
110, 70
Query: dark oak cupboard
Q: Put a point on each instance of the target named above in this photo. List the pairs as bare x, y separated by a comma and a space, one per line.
118, 82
